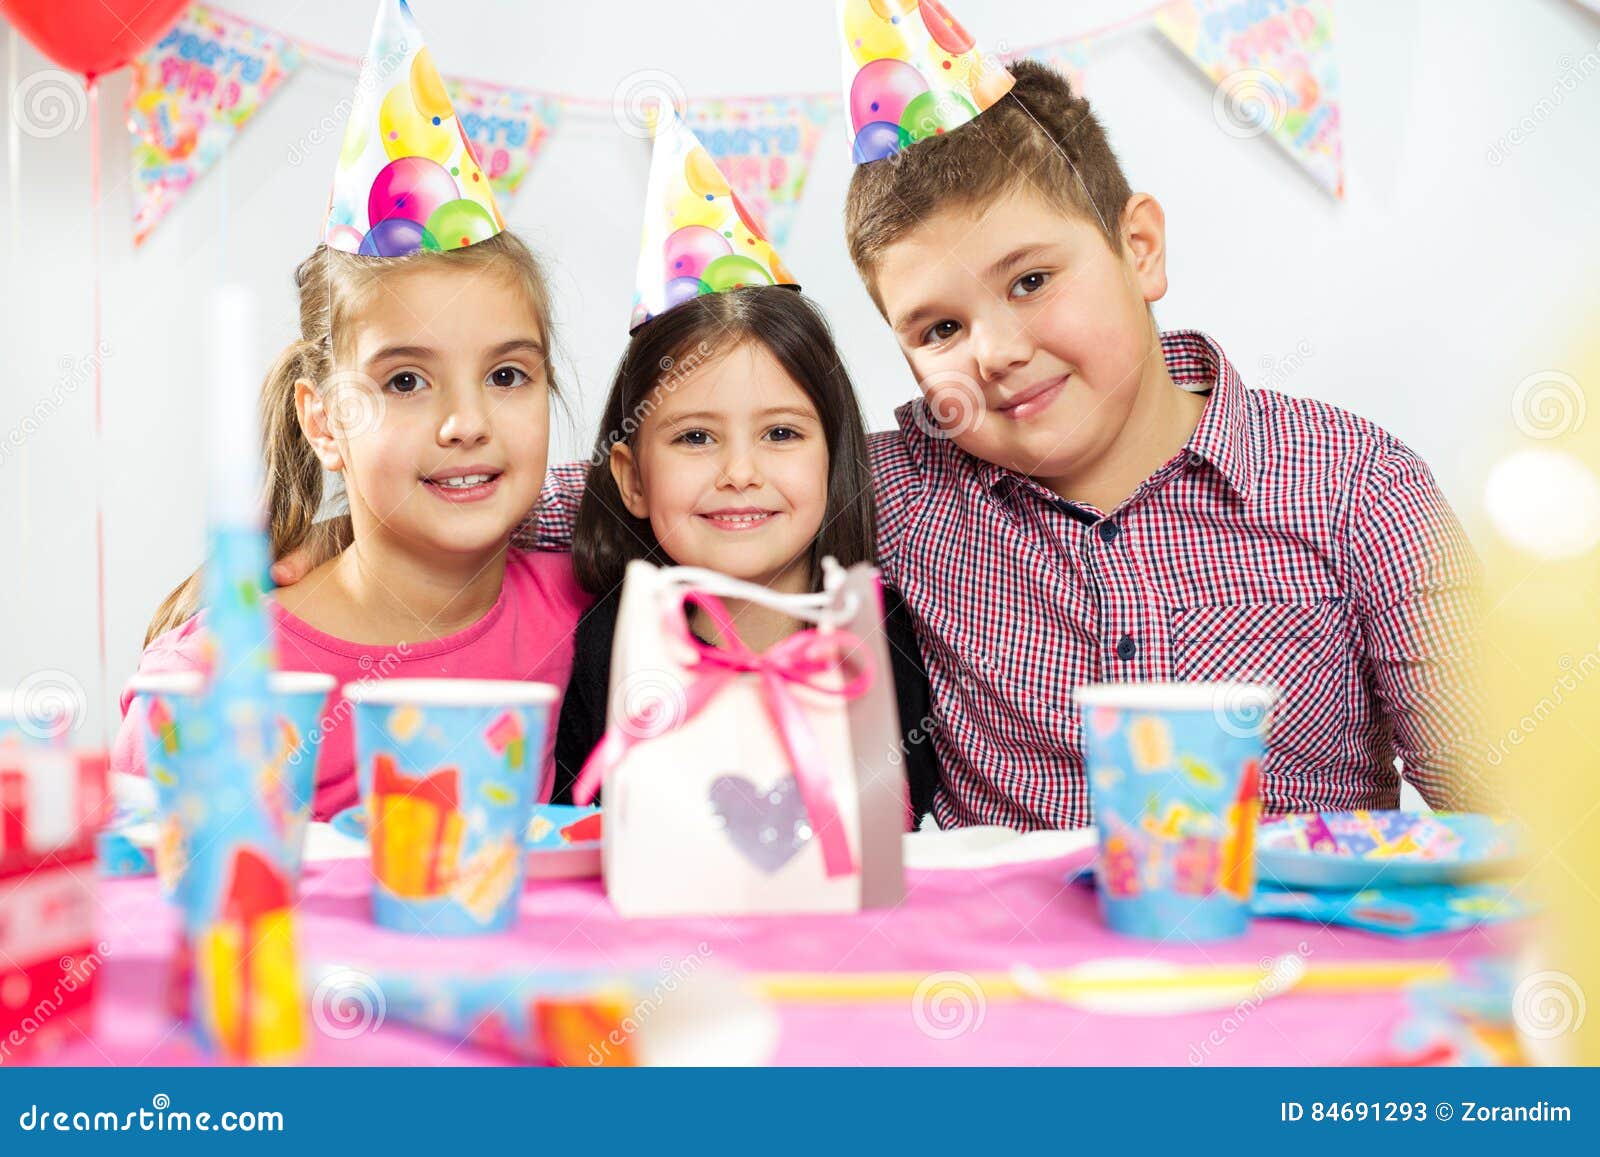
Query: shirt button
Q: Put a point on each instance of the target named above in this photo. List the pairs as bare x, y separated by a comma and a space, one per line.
1126, 647
1109, 531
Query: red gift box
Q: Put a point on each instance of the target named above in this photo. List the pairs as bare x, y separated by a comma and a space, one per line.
49, 956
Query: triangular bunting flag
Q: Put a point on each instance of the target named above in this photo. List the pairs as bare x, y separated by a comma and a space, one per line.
1274, 70
506, 128
765, 147
191, 95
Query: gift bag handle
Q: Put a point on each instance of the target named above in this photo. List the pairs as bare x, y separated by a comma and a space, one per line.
829, 608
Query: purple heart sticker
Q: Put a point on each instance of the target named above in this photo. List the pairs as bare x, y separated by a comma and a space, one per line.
767, 827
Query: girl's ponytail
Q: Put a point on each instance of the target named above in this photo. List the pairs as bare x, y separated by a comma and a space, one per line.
293, 483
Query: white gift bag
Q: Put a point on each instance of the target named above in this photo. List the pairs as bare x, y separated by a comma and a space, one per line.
745, 783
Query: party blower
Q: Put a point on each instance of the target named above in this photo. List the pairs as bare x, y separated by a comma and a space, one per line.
236, 981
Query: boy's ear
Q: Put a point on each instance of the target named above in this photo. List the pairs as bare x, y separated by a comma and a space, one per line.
1144, 233
314, 424
625, 472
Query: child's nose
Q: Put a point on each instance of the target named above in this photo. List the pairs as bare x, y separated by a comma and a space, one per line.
1000, 346
466, 419
740, 469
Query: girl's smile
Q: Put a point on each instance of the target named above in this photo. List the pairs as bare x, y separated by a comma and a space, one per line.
464, 483
731, 470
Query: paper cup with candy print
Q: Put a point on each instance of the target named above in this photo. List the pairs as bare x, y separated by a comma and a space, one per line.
448, 774
1174, 775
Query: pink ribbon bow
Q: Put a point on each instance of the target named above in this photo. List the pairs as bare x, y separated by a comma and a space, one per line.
807, 658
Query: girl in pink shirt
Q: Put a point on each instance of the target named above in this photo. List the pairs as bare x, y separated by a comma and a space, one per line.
423, 381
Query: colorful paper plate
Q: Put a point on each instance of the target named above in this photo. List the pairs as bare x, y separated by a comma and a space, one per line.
1362, 849
563, 842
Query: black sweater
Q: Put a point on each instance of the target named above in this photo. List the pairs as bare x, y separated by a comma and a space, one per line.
583, 709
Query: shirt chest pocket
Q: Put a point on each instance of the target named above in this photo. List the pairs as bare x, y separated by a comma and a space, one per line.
1281, 644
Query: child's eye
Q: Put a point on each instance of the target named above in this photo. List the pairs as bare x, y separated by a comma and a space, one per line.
941, 331
694, 438
784, 434
405, 382
509, 377
1029, 284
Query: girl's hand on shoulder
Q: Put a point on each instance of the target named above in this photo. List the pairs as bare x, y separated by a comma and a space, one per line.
301, 561
293, 567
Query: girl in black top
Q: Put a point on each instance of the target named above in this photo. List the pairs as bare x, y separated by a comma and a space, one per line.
732, 440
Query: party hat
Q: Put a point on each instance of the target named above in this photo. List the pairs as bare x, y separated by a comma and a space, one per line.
698, 237
911, 71
407, 178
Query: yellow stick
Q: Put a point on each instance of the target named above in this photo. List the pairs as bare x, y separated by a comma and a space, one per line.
859, 987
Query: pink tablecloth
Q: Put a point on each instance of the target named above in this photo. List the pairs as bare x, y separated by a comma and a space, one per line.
966, 921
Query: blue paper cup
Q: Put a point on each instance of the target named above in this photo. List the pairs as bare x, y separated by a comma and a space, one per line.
449, 774
166, 702
1174, 776
160, 702
302, 701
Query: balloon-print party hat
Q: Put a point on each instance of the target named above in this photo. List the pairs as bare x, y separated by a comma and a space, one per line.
698, 236
911, 71
407, 179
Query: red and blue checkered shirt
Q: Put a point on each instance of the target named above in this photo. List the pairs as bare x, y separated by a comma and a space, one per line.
1289, 542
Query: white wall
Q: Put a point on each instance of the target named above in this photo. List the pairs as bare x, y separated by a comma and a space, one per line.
1442, 282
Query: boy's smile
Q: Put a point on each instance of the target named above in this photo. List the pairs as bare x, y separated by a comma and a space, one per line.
1034, 343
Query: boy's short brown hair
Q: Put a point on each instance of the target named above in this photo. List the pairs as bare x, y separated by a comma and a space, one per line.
1039, 134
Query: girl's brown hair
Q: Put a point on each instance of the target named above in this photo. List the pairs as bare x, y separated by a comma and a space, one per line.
333, 287
606, 537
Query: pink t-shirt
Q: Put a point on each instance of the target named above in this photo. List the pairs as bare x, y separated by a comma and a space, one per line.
526, 635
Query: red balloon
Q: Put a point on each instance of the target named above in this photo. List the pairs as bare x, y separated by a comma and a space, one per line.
93, 37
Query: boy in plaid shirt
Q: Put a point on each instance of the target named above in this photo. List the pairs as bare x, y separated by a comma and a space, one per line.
1080, 498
